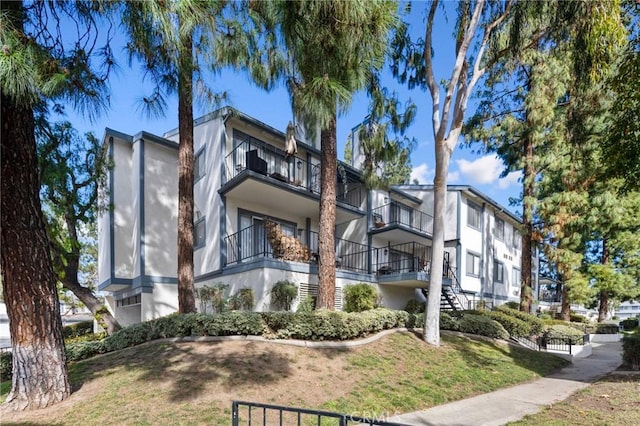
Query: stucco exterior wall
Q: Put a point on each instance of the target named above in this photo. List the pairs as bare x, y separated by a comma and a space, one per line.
125, 209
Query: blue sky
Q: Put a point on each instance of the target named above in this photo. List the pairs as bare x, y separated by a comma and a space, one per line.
466, 168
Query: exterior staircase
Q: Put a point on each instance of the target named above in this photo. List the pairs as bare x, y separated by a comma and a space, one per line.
451, 297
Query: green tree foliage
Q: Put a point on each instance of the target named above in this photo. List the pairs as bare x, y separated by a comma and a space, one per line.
71, 170
39, 63
177, 43
334, 48
412, 63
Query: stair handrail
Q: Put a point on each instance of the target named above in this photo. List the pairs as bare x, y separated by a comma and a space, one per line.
456, 288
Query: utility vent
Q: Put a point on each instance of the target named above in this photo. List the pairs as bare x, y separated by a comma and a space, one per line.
516, 292
306, 289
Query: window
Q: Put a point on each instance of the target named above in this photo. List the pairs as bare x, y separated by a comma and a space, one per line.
515, 282
498, 271
198, 165
199, 230
517, 240
473, 264
499, 229
473, 216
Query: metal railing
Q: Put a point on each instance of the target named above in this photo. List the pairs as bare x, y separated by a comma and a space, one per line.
562, 343
251, 243
273, 163
395, 213
253, 413
401, 258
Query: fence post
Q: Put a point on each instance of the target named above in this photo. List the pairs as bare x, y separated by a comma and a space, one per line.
234, 413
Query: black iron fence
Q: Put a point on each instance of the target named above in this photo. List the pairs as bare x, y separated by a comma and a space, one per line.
395, 213
401, 258
253, 413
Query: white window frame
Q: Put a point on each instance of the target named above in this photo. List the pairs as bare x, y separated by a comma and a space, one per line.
198, 165
516, 277
517, 239
202, 236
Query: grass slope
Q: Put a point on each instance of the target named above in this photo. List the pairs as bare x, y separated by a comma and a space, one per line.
194, 383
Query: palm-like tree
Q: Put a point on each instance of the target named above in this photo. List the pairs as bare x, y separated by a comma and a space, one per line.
335, 47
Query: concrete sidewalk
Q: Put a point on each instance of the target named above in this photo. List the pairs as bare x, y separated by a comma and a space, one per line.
511, 404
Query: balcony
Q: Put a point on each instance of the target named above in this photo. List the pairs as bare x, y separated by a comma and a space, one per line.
401, 224
253, 243
407, 264
263, 174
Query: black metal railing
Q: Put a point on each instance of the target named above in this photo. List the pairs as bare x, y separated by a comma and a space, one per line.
253, 413
401, 258
395, 213
252, 243
562, 343
273, 163
450, 272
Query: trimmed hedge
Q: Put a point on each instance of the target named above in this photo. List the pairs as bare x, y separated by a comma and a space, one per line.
536, 324
6, 366
629, 323
514, 326
77, 329
359, 297
564, 331
482, 325
631, 351
607, 329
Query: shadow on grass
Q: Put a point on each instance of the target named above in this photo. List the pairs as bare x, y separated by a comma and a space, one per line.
191, 367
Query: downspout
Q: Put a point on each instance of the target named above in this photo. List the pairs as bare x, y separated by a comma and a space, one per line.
369, 237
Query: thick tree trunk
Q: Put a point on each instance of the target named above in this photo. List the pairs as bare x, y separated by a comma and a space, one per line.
39, 365
326, 237
432, 315
186, 288
526, 288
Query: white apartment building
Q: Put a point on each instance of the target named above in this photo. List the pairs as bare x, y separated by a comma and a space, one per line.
244, 181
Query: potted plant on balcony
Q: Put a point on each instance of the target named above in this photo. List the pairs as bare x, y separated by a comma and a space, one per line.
377, 221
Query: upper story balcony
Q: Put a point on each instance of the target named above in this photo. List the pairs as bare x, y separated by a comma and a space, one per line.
263, 174
401, 224
407, 264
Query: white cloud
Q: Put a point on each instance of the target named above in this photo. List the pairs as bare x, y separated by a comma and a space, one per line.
486, 171
510, 179
422, 174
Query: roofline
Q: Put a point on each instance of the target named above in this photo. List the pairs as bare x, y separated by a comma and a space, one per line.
405, 195
472, 190
146, 136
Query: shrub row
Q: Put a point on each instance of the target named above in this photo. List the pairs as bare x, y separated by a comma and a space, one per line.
77, 329
631, 351
535, 324
6, 366
559, 331
629, 323
317, 325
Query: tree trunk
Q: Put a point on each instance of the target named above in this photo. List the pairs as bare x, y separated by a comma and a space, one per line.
526, 288
39, 365
326, 235
186, 288
97, 308
603, 307
565, 310
432, 316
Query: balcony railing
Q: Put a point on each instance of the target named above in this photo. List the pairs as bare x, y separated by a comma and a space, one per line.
406, 257
252, 243
398, 214
272, 163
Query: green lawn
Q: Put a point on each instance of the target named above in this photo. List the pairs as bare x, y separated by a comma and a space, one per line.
194, 383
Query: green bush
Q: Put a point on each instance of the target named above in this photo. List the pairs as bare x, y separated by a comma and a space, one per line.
511, 305
6, 366
631, 351
130, 336
607, 329
565, 332
514, 326
482, 325
544, 316
283, 294
578, 318
415, 306
77, 329
308, 304
243, 299
229, 324
447, 322
80, 350
359, 297
629, 323
536, 324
